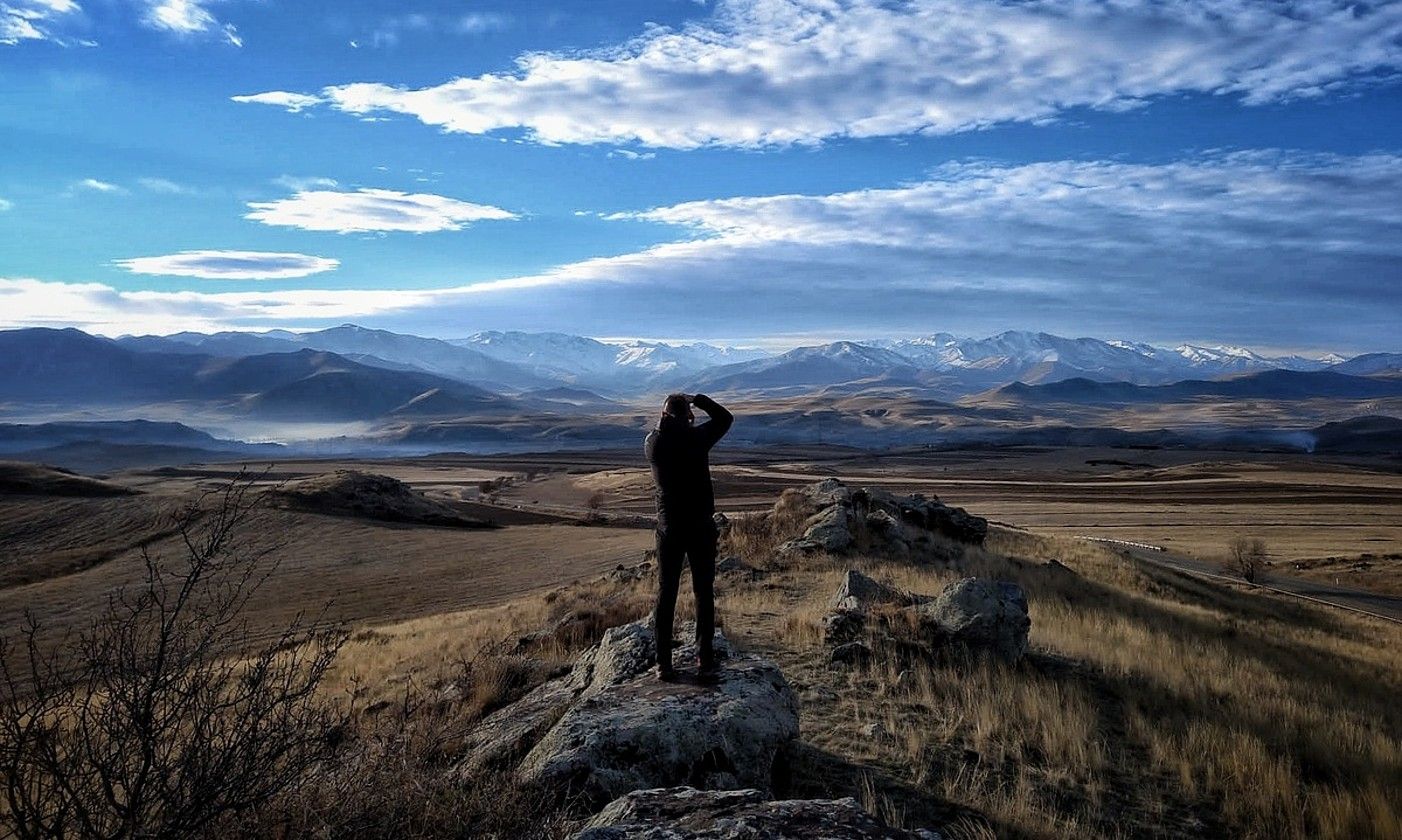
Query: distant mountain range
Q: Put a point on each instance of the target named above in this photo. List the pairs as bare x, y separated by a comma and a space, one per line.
955, 366
516, 362
504, 390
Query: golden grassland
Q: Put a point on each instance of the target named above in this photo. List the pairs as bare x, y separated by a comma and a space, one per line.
1150, 703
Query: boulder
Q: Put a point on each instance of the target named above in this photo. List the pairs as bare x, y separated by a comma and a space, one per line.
827, 492
797, 547
683, 813
843, 626
980, 614
850, 654
860, 592
831, 528
609, 726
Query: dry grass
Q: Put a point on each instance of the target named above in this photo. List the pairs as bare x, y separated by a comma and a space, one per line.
414, 690
1151, 704
481, 648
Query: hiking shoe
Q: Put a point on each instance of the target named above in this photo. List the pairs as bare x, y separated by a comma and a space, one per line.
666, 675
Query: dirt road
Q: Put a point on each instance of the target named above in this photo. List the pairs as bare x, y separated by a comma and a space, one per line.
1372, 603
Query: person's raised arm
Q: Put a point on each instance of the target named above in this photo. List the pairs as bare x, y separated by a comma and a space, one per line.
719, 423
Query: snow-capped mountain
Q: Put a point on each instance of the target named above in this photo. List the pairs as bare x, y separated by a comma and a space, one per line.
828, 364
607, 364
517, 361
1226, 359
1029, 356
967, 364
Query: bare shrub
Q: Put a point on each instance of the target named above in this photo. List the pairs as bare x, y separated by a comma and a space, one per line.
594, 514
1246, 558
167, 713
393, 778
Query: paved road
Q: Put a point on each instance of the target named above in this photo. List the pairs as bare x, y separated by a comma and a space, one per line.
1373, 603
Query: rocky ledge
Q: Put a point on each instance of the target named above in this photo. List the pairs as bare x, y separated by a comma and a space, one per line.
684, 813
610, 726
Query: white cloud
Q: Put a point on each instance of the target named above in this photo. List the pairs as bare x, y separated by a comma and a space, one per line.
629, 154
391, 30
99, 186
302, 183
372, 210
101, 308
776, 72
187, 17
31, 20
230, 265
1266, 248
163, 186
477, 23
6, 205
1261, 200
293, 102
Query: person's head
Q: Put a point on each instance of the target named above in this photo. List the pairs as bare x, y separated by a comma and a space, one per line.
678, 407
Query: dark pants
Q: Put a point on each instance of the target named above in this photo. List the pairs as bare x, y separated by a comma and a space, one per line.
698, 545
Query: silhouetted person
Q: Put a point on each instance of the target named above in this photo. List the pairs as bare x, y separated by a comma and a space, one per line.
678, 451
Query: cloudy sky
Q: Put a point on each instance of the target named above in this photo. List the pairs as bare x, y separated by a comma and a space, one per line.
746, 171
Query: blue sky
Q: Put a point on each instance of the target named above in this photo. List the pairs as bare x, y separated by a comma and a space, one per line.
745, 171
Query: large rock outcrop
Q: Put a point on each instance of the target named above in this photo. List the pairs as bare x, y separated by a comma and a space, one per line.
686, 813
609, 726
836, 514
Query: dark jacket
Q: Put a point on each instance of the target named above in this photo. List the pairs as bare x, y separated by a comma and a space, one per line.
680, 468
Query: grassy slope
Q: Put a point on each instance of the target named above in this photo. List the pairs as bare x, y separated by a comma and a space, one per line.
1151, 704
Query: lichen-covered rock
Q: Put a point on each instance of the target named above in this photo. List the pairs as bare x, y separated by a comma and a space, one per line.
610, 726
980, 614
685, 813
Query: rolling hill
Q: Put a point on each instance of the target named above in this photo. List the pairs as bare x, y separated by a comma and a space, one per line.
68, 367
1268, 385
